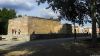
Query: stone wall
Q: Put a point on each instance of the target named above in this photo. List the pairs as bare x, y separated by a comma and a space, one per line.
43, 26
23, 27
18, 24
30, 25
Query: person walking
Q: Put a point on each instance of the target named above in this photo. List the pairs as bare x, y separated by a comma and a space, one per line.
19, 31
12, 31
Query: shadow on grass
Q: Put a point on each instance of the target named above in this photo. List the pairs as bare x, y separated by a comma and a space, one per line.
47, 48
42, 49
61, 51
89, 45
88, 41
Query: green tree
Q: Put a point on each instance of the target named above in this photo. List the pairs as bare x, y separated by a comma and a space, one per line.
98, 16
73, 10
93, 16
19, 15
66, 8
5, 15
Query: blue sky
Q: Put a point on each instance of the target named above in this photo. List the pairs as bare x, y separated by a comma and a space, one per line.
30, 8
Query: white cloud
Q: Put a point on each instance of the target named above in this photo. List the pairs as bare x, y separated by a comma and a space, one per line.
17, 4
40, 11
48, 13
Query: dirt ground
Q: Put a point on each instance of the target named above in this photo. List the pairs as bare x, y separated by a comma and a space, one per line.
52, 48
67, 49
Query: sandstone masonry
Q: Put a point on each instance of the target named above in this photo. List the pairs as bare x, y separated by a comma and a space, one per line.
36, 25
23, 27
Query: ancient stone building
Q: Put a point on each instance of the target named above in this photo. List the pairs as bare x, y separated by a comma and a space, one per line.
22, 28
28, 25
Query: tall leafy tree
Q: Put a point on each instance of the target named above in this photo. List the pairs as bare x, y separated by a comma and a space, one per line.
5, 15
68, 9
98, 15
74, 10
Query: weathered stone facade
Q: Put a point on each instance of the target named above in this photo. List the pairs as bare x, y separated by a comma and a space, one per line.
43, 26
22, 28
16, 24
29, 25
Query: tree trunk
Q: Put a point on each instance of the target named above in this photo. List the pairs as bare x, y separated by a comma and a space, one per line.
93, 15
99, 31
94, 35
75, 39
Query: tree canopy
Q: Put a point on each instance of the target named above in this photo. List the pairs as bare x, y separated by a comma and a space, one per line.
72, 9
6, 14
69, 9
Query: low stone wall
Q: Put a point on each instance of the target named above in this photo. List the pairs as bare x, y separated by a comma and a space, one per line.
54, 36
15, 37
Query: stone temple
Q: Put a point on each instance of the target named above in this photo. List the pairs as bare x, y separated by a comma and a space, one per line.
22, 27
